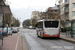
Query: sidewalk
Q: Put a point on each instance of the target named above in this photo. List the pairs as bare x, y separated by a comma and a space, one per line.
63, 36
11, 43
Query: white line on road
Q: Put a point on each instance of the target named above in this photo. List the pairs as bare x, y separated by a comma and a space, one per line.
17, 43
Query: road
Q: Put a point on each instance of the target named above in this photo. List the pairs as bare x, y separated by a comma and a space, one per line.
32, 42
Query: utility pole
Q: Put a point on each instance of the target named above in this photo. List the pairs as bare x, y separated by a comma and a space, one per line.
47, 15
60, 15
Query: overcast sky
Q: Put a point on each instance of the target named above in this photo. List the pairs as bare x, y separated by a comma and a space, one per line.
23, 8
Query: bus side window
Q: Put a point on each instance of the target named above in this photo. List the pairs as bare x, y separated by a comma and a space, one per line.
41, 25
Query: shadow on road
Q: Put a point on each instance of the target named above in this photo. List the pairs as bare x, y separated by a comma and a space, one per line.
50, 38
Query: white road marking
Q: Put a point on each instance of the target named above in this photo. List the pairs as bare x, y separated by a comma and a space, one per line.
17, 43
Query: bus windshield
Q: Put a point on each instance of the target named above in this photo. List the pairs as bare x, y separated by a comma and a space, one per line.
51, 24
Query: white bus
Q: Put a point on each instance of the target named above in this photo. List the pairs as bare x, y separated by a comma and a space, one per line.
48, 28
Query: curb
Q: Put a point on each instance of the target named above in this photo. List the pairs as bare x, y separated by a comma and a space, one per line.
67, 40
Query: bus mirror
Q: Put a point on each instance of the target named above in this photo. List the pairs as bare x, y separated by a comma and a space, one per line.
36, 25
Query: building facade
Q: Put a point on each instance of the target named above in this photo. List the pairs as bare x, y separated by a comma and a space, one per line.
34, 17
67, 10
52, 12
5, 14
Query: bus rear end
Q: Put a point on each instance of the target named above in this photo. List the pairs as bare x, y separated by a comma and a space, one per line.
51, 28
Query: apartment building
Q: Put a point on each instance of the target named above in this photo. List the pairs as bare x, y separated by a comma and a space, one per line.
53, 12
35, 14
67, 9
34, 17
67, 14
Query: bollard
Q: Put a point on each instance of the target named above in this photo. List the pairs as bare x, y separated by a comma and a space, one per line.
2, 40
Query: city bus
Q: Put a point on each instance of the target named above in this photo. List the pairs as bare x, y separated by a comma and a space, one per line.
48, 28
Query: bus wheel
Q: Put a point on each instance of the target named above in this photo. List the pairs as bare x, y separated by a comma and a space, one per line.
37, 35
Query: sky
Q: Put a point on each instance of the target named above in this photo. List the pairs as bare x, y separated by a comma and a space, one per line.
22, 9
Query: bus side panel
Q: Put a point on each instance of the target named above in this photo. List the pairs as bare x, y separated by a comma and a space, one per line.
38, 33
41, 34
46, 35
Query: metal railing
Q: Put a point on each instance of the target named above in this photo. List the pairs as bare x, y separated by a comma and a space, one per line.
68, 33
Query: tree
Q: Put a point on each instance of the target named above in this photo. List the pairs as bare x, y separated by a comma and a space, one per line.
26, 22
34, 21
16, 23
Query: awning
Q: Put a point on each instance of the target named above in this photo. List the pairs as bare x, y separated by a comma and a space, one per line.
4, 9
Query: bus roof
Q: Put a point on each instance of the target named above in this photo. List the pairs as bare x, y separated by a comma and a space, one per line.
48, 20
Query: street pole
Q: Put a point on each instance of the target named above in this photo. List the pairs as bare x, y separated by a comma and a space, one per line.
47, 15
7, 29
60, 15
3, 23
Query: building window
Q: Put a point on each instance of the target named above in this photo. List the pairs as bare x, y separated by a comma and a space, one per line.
63, 8
66, 0
61, 3
73, 13
74, 5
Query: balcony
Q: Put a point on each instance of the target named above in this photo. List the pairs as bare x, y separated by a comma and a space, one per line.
66, 11
67, 17
53, 12
66, 3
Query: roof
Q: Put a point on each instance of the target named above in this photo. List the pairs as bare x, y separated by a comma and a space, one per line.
56, 7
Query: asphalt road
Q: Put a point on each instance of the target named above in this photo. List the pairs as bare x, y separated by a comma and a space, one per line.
32, 42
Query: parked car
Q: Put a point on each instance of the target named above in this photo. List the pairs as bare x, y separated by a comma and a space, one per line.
34, 28
14, 30
9, 32
30, 27
17, 28
1, 31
